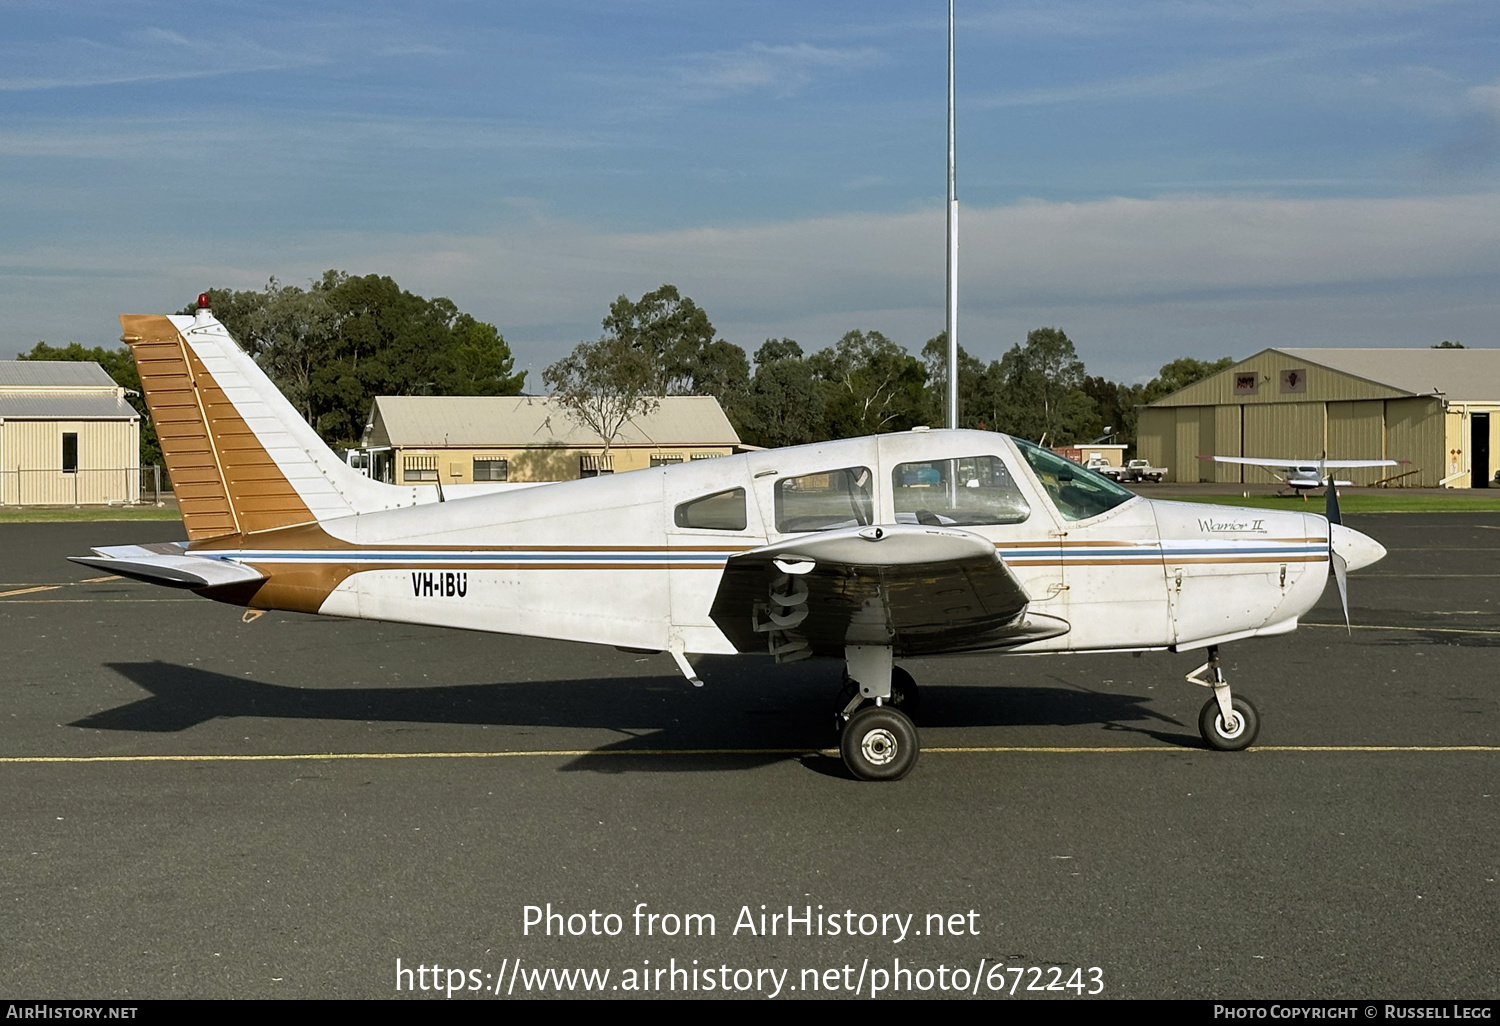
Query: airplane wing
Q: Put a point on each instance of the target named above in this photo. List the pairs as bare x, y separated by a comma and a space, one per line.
915, 588
168, 563
1249, 462
1293, 464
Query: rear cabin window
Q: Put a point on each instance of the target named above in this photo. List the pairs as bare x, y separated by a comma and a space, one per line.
826, 501
1077, 492
723, 511
965, 492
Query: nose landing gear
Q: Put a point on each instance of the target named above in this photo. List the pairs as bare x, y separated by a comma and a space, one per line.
1227, 723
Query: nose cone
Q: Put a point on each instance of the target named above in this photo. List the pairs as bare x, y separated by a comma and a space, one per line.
1358, 550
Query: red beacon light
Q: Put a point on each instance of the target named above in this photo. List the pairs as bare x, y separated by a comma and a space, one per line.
203, 301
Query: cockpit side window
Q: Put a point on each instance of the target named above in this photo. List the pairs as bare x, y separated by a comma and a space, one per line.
825, 501
1077, 492
722, 511
967, 492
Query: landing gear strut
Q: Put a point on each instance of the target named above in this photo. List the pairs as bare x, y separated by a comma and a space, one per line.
1226, 722
879, 741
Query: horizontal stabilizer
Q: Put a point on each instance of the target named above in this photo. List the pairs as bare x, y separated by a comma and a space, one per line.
169, 565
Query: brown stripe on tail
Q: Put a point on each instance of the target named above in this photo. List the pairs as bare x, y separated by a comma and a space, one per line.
225, 481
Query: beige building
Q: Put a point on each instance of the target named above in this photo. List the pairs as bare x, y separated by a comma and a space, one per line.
467, 439
1113, 453
67, 436
1430, 407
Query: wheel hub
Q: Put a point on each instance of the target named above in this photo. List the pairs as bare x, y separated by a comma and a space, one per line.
1233, 728
879, 746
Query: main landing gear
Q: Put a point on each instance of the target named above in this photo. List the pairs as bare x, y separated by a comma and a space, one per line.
878, 741
1226, 722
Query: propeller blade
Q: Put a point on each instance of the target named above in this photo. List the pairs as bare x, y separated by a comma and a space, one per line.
1341, 574
1336, 562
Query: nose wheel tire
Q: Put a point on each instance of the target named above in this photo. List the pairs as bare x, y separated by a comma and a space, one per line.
1229, 737
879, 743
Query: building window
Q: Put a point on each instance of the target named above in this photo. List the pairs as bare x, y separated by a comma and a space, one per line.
491, 469
70, 452
707, 455
593, 466
665, 459
419, 468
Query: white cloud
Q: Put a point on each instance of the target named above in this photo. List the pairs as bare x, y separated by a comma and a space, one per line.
1485, 98
1135, 282
780, 70
149, 54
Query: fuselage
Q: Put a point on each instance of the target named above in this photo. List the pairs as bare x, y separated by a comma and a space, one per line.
634, 560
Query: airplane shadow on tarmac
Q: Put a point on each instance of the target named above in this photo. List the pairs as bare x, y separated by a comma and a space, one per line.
727, 723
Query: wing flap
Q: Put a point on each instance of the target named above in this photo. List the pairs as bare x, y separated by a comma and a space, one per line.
918, 589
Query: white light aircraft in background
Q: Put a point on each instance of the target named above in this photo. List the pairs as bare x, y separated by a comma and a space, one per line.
1302, 476
865, 550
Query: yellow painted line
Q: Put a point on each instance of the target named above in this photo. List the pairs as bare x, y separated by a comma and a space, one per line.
55, 602
1102, 750
1380, 627
578, 753
60, 584
28, 591
1375, 748
560, 753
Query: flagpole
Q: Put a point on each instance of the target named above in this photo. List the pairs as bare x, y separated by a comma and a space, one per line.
952, 245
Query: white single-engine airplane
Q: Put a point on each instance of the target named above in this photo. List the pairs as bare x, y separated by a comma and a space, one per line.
1302, 476
864, 549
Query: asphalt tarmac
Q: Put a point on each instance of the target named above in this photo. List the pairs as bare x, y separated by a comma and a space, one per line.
198, 807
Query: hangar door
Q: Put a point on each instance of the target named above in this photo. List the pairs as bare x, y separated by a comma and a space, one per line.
1356, 431
1479, 450
1289, 431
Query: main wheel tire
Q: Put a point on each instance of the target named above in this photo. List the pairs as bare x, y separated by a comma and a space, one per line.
879, 743
1226, 739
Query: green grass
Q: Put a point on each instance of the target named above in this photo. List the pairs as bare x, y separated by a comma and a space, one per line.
48, 515
1361, 502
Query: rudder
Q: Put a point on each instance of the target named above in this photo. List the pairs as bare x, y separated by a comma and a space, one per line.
240, 458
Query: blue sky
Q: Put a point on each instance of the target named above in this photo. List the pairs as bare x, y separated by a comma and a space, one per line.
1156, 178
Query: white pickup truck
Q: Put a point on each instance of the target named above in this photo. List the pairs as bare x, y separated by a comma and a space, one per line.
1142, 470
1108, 469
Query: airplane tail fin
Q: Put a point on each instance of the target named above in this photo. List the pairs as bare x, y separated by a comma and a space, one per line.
241, 459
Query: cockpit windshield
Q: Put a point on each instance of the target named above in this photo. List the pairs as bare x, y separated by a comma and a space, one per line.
1077, 492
